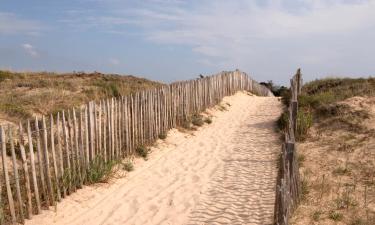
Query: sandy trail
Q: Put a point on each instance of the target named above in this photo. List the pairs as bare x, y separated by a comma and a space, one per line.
224, 173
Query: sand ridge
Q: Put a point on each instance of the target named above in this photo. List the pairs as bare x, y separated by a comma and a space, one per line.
223, 173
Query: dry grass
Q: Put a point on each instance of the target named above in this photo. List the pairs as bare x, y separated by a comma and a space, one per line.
339, 165
24, 95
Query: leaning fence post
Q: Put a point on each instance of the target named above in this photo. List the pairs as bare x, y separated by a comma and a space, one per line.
6, 175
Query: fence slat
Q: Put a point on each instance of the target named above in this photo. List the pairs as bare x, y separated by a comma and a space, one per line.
6, 176
26, 172
16, 175
40, 162
54, 162
47, 166
33, 170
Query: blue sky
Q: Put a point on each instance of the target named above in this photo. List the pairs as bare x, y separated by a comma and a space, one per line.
170, 40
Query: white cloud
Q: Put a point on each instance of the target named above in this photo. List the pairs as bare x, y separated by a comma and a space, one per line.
30, 50
12, 24
114, 62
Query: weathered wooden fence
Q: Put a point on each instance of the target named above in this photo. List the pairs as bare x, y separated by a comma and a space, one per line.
46, 159
288, 183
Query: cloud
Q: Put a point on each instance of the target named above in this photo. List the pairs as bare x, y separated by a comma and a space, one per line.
12, 24
30, 50
114, 62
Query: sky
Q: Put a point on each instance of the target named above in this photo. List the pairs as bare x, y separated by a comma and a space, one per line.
169, 40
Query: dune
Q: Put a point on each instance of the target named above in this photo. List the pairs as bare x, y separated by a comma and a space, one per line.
223, 173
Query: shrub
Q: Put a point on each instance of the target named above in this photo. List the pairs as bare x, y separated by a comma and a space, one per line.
142, 151
128, 166
163, 135
197, 120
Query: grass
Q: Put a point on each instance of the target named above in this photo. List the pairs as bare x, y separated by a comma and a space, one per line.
335, 216
316, 215
197, 120
128, 166
100, 171
337, 139
46, 93
208, 120
304, 122
142, 151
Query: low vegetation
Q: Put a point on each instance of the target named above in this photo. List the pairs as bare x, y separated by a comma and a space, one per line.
44, 93
163, 135
336, 131
197, 120
100, 171
142, 151
128, 166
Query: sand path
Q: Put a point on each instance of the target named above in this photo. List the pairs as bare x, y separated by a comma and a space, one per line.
224, 173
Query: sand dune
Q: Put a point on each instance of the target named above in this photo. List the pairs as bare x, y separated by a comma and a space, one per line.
224, 173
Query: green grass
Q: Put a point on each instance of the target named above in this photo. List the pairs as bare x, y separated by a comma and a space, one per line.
100, 171
304, 122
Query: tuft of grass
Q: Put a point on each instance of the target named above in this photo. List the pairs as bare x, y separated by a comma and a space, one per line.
301, 159
163, 135
335, 216
316, 215
208, 120
100, 171
142, 151
128, 166
197, 120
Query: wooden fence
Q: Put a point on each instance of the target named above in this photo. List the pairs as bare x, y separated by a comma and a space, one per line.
46, 159
288, 189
